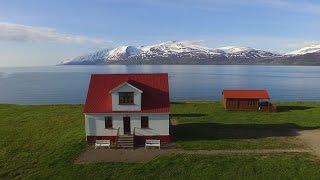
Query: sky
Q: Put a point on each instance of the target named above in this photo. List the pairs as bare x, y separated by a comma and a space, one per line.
45, 32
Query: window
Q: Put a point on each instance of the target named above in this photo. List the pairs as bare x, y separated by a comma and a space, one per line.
108, 122
144, 122
126, 98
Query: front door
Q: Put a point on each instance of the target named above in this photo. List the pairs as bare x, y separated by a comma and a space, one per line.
126, 125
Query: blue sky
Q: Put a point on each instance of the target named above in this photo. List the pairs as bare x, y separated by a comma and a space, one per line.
44, 32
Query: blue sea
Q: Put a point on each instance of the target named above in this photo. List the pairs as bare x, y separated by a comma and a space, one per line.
68, 84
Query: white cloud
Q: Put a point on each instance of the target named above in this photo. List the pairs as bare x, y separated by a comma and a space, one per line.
23, 33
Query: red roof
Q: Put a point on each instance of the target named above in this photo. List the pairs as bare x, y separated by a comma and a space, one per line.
154, 99
245, 94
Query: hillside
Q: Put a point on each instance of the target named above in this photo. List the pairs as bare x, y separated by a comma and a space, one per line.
185, 52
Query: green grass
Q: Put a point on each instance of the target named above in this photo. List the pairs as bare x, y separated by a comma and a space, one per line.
206, 125
43, 141
299, 114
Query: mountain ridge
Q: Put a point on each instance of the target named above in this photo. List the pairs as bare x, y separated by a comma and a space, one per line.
184, 52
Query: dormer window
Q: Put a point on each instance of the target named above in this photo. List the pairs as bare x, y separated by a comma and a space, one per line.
126, 98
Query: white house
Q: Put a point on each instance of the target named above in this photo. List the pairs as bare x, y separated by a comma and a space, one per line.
122, 106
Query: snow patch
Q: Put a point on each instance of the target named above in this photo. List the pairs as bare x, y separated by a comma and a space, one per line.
305, 50
234, 49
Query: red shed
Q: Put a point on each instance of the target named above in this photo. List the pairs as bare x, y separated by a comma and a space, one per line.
239, 99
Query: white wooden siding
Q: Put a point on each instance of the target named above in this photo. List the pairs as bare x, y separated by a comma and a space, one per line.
158, 124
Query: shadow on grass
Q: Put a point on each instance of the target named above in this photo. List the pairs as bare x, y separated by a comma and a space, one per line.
188, 115
292, 108
214, 131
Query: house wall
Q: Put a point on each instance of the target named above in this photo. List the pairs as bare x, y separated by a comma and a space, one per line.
115, 100
158, 125
241, 104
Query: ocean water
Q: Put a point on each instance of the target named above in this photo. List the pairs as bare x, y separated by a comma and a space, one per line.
68, 84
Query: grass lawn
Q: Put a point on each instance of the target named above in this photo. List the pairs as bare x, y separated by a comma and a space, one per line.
43, 141
206, 125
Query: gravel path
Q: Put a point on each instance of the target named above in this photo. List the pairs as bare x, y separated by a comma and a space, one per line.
241, 152
310, 139
140, 155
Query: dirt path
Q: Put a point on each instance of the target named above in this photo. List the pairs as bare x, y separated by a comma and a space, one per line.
241, 152
311, 139
140, 155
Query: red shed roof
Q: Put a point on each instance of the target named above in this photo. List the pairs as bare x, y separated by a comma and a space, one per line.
245, 94
154, 99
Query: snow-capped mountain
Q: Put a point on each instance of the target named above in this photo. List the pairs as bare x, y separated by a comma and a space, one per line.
309, 55
305, 50
171, 52
88, 59
122, 53
177, 50
246, 52
175, 47
100, 56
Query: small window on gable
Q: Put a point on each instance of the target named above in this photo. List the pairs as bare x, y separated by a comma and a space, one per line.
108, 122
126, 98
144, 122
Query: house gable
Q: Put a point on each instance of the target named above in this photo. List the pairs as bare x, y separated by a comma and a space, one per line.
154, 98
126, 88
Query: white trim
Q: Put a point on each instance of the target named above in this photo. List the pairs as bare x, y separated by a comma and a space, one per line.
124, 113
123, 84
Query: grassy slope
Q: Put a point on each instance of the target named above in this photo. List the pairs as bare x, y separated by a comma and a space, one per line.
42, 141
206, 125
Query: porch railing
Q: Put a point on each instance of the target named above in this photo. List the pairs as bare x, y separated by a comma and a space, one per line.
117, 137
135, 133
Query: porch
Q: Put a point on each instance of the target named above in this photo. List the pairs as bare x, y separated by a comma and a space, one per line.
131, 140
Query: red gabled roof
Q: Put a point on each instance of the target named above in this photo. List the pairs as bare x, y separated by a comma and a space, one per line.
154, 99
245, 94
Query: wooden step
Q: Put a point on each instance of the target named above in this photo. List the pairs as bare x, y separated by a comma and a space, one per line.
121, 137
125, 137
125, 146
125, 141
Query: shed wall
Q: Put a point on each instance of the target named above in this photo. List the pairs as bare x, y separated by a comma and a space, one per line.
241, 104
